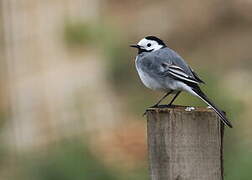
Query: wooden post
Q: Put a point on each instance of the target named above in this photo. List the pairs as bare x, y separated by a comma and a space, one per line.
184, 145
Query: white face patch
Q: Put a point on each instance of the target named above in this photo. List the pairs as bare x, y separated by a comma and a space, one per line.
149, 45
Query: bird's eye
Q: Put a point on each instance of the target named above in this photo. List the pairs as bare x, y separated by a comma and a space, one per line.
149, 44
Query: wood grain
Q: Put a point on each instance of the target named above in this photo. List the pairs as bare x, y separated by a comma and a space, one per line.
184, 145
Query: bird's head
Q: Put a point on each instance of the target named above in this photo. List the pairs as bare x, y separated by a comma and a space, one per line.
149, 44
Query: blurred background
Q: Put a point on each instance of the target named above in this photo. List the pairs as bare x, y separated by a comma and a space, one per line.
71, 102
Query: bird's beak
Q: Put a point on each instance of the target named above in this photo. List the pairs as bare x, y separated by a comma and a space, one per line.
135, 46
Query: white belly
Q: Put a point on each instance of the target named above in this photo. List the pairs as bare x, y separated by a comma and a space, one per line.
149, 81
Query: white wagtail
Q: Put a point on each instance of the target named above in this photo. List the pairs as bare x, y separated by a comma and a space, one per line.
161, 68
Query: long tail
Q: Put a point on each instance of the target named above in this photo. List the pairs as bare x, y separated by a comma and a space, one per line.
202, 96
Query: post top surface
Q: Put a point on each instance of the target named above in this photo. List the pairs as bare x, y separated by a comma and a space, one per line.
164, 108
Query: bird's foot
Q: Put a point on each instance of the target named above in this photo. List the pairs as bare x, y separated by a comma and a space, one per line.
166, 106
160, 106
154, 106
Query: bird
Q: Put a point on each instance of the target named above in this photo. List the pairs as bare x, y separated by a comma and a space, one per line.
162, 69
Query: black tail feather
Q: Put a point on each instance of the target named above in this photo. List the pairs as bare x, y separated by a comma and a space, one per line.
222, 116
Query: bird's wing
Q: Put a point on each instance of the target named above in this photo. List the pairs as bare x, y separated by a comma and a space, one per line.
180, 74
167, 62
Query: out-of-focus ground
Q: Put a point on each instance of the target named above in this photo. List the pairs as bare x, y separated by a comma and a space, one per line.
71, 101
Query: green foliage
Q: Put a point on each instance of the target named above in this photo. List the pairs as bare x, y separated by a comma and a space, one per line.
98, 35
76, 34
140, 173
67, 161
238, 166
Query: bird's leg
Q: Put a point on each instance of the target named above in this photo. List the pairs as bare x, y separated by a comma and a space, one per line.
156, 105
173, 99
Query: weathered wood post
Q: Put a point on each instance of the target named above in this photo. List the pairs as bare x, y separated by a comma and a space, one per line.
184, 145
